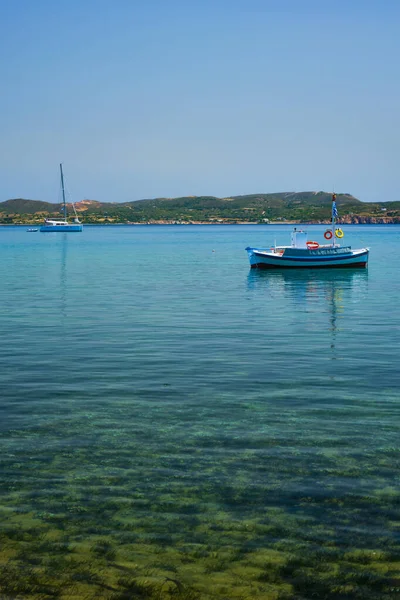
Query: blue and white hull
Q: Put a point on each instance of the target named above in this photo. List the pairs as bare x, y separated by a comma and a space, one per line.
284, 258
68, 227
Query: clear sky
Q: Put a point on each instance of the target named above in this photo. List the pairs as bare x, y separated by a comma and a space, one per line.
148, 98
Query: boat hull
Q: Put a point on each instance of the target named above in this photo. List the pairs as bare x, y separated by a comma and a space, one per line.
48, 228
260, 259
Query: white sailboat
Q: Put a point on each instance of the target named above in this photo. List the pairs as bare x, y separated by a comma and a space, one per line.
58, 225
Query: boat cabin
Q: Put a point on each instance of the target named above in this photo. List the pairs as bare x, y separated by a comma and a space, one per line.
299, 239
55, 223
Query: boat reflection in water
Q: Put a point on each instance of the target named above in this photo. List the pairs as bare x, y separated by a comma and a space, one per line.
63, 274
306, 301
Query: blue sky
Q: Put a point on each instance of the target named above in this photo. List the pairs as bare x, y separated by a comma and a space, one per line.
141, 99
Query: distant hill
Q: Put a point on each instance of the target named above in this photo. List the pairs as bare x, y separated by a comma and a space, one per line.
28, 207
312, 207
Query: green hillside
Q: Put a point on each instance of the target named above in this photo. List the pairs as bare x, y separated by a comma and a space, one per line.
28, 207
312, 207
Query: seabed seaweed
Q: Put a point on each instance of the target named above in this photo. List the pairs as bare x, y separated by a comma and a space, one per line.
165, 524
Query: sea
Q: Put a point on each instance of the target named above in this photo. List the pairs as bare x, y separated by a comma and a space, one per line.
176, 425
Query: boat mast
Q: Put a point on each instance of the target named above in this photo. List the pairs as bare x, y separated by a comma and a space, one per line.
333, 219
63, 192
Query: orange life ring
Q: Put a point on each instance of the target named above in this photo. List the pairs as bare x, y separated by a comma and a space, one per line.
312, 245
328, 234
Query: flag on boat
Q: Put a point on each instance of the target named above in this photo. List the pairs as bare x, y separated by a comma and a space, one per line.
335, 213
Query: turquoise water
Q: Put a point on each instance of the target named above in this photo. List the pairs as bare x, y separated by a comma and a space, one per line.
175, 425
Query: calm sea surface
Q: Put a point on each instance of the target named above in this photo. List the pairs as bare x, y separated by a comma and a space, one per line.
174, 425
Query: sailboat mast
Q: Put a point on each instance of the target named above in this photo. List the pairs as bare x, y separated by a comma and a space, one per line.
333, 219
63, 192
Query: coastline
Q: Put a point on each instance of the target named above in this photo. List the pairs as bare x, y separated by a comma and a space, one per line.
363, 221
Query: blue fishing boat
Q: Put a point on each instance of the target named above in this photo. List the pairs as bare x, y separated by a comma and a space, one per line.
303, 253
58, 225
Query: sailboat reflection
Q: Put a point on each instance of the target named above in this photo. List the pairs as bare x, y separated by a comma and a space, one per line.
63, 273
323, 291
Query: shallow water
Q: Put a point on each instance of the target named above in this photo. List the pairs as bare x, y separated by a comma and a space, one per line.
175, 425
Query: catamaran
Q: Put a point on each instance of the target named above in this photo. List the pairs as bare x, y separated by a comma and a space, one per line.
54, 224
304, 253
